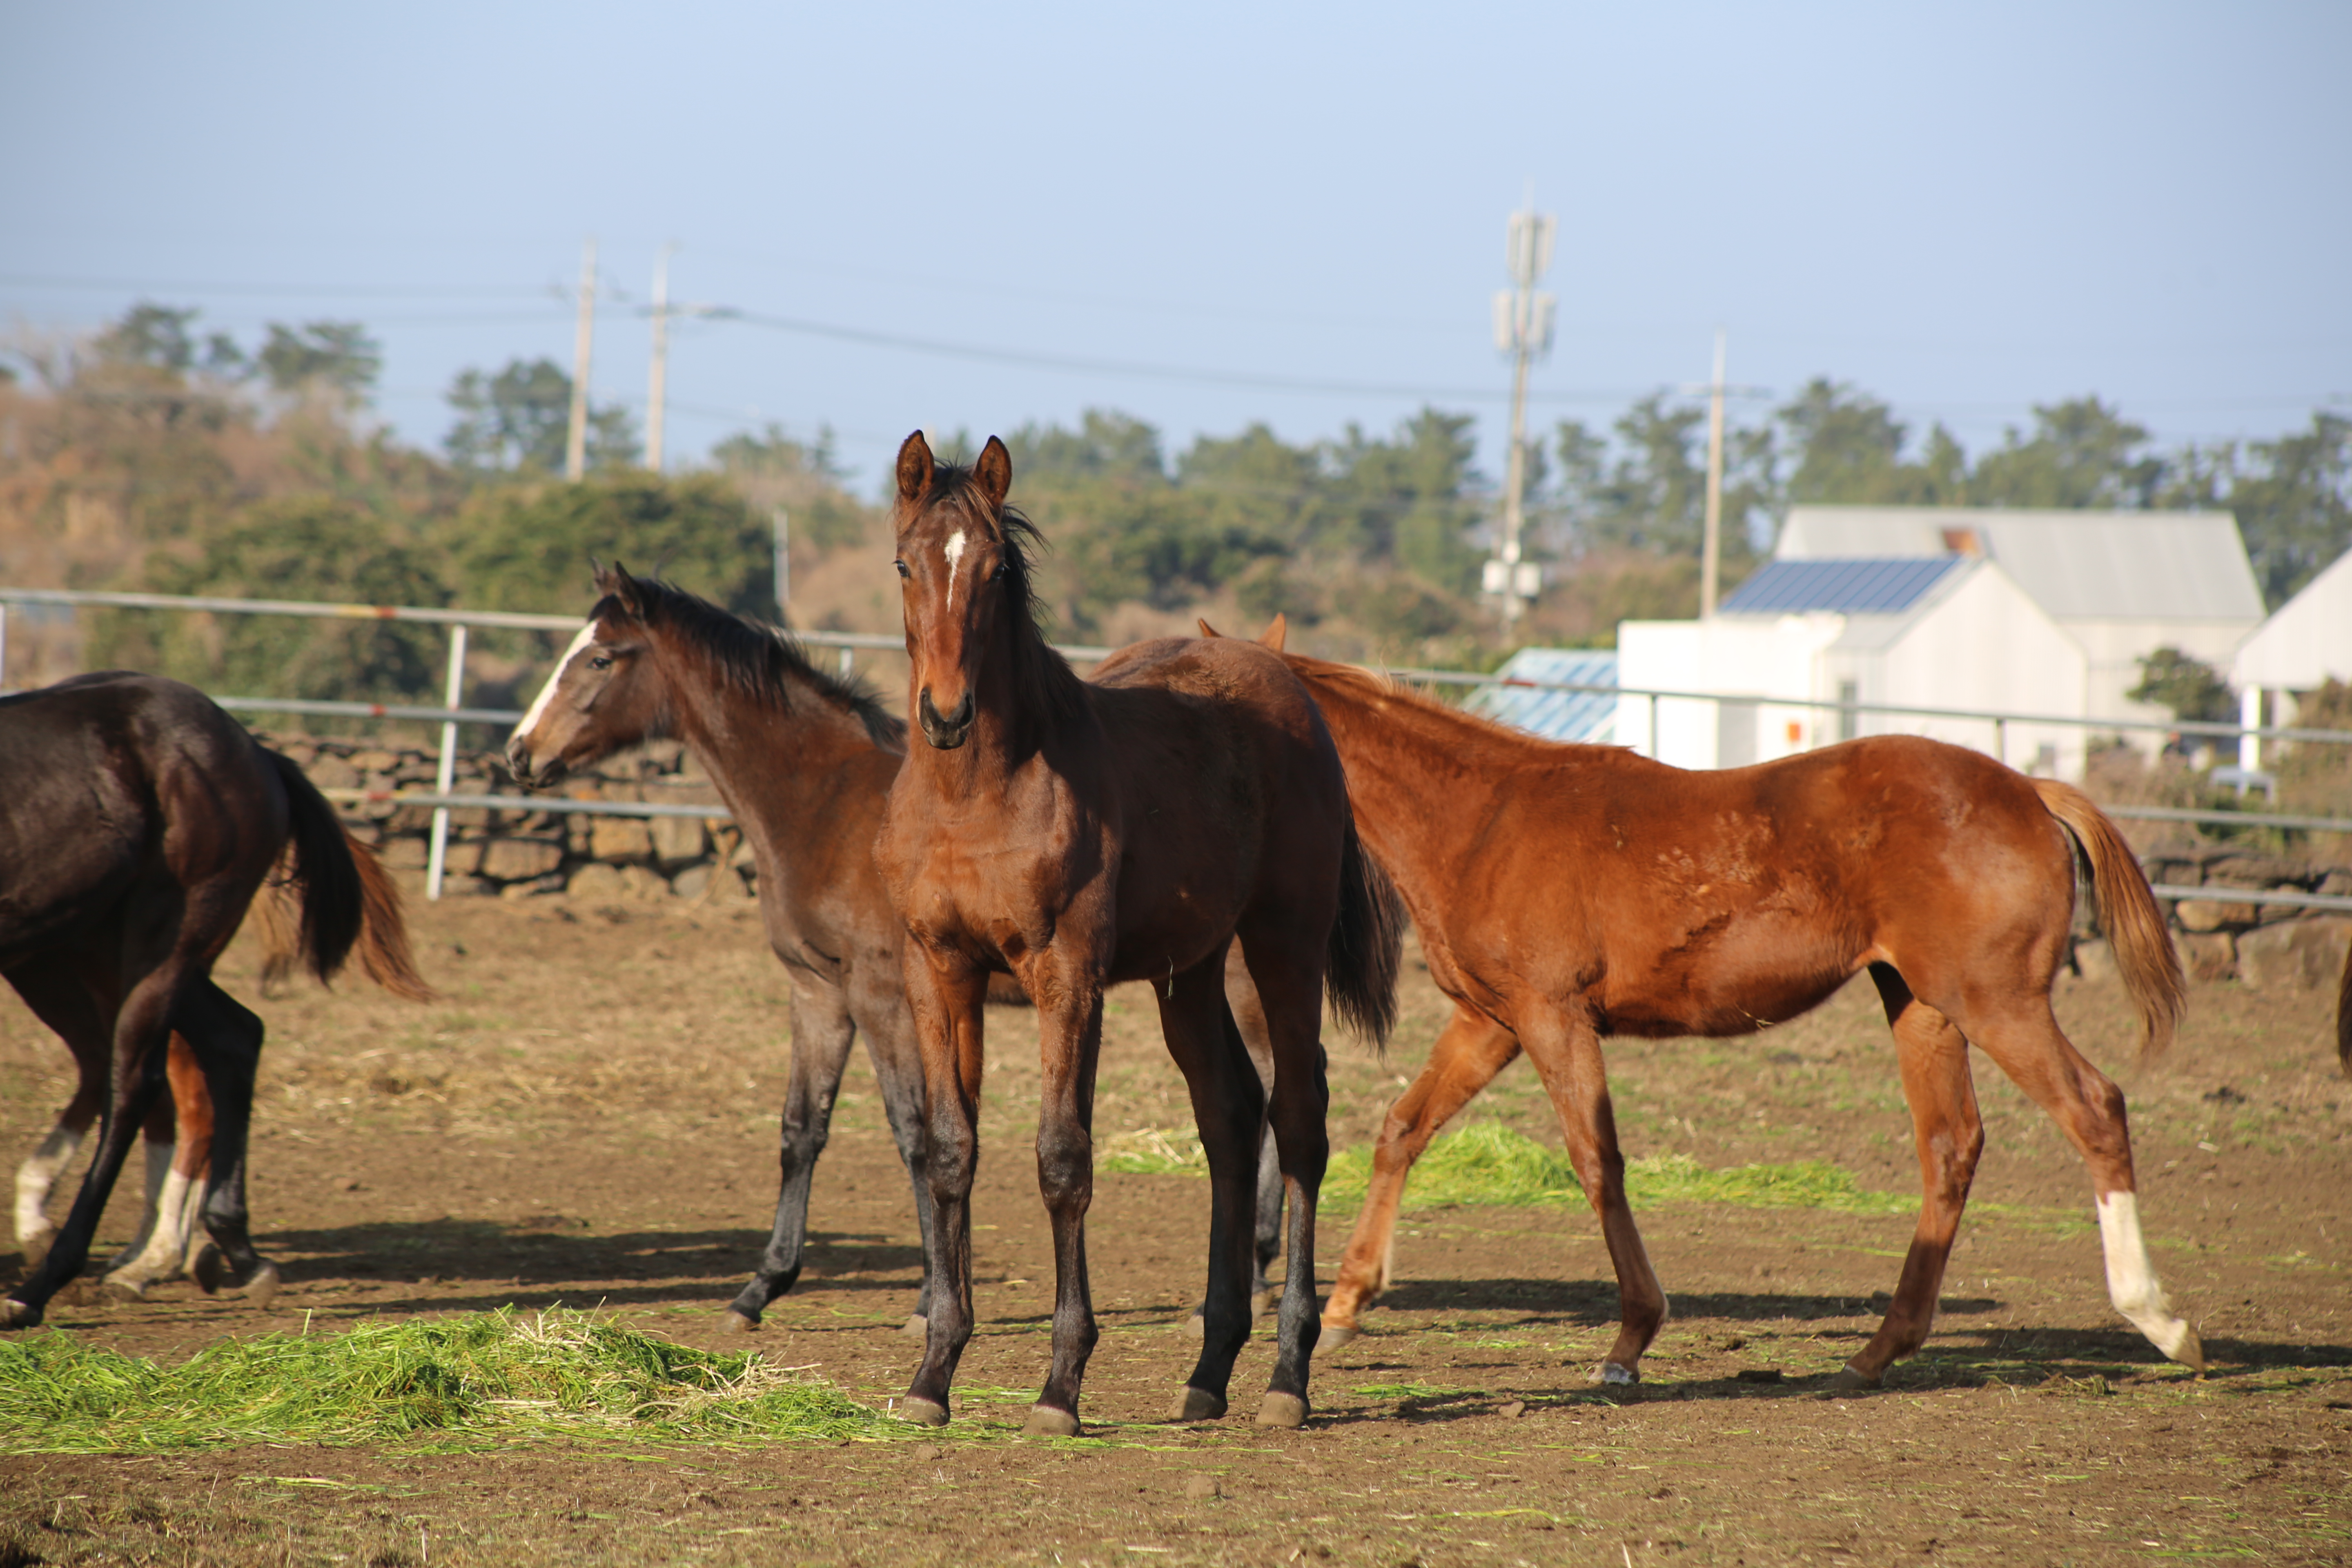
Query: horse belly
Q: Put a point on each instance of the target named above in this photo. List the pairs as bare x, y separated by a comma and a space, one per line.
1721, 990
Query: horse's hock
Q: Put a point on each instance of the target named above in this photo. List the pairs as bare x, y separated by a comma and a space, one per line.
538, 850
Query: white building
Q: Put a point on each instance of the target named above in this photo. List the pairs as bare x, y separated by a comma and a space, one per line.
1945, 631
2305, 645
2121, 583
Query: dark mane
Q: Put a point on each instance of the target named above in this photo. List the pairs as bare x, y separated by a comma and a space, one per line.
764, 662
1046, 685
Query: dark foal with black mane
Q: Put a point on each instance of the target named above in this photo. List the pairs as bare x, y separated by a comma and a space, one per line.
804, 761
1076, 834
137, 821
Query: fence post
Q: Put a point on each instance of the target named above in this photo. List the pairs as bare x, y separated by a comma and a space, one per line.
1653, 728
2001, 739
2249, 718
445, 774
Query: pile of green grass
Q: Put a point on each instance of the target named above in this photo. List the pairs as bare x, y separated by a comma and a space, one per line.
490, 1376
1487, 1162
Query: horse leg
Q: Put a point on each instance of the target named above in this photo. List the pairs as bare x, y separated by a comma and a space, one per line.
135, 1078
227, 1037
1949, 1133
2022, 1038
821, 1030
899, 1070
163, 1249
1249, 1013
1069, 1018
191, 1102
1469, 1052
66, 1006
1289, 976
1566, 1051
946, 997
1229, 1108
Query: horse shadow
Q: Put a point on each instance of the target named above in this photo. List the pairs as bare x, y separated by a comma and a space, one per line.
556, 1254
1593, 1303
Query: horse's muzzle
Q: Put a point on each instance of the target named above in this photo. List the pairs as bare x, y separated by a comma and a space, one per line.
950, 731
519, 763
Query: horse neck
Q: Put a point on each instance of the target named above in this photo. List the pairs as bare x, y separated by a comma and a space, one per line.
773, 765
1421, 784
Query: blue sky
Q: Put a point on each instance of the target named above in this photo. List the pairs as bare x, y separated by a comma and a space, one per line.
1964, 209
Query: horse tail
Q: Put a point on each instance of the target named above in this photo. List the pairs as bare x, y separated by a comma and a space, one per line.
2128, 911
2344, 1019
1366, 952
347, 898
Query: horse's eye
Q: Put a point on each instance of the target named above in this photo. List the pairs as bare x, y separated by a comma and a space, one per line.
996, 571
602, 661
901, 566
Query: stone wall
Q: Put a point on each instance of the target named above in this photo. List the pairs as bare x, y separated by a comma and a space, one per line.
2265, 946
525, 853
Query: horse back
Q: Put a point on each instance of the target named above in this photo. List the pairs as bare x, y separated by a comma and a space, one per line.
1227, 791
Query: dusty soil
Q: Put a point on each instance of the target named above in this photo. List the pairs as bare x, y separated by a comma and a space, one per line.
589, 1119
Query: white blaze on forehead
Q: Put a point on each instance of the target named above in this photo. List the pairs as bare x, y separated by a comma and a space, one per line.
955, 557
587, 635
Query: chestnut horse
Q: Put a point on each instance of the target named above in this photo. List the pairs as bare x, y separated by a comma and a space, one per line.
141, 820
179, 1136
1565, 893
1076, 834
803, 761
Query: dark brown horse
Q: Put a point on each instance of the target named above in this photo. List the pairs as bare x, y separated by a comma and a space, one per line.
137, 821
1076, 834
803, 761
1568, 893
179, 1135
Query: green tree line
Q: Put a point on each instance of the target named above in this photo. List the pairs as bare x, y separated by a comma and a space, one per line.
257, 470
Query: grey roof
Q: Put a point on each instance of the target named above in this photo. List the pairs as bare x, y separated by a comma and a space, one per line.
1555, 715
1849, 587
2078, 565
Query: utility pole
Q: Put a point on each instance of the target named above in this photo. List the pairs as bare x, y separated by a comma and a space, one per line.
1710, 568
782, 523
658, 383
583, 342
1523, 328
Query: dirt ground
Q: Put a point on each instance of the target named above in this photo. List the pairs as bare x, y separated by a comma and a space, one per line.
589, 1120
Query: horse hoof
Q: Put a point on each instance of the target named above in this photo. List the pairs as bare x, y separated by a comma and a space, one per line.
211, 1272
203, 1263
124, 1287
1334, 1335
1615, 1376
262, 1287
2190, 1352
1045, 1421
16, 1315
736, 1320
915, 1327
922, 1412
1848, 1381
1284, 1410
1198, 1404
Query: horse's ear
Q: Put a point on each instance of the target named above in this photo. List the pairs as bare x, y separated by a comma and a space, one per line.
602, 574
995, 472
915, 467
1206, 630
1277, 630
619, 584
